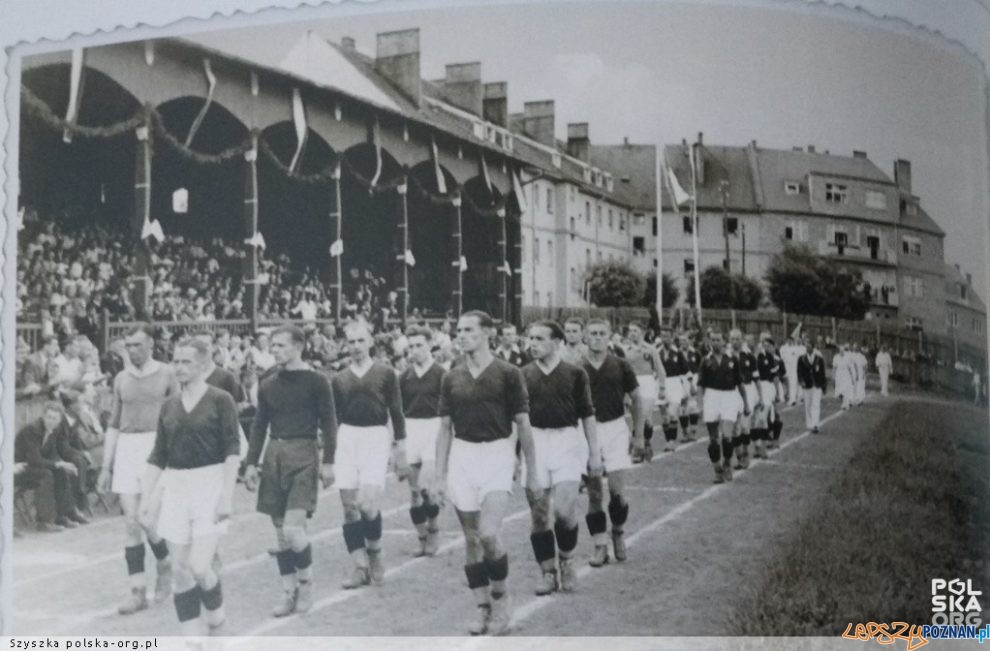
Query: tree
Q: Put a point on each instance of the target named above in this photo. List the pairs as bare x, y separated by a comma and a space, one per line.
670, 291
614, 284
804, 283
720, 290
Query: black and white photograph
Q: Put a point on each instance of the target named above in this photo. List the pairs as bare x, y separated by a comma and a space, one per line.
562, 319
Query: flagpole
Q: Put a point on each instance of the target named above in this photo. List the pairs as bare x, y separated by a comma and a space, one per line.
659, 253
694, 230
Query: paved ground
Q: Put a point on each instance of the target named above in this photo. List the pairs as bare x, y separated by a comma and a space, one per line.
694, 549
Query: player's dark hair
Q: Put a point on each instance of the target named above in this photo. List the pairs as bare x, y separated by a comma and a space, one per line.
575, 320
556, 332
503, 326
484, 319
142, 328
597, 321
296, 334
419, 331
638, 324
203, 349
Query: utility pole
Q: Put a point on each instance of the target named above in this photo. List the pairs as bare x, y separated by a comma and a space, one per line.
743, 228
724, 187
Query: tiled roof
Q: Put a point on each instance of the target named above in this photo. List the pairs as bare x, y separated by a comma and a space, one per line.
632, 167
953, 279
721, 163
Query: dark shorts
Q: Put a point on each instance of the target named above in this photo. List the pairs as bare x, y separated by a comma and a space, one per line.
290, 475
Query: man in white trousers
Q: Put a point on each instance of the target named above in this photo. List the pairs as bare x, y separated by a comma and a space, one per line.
884, 366
811, 376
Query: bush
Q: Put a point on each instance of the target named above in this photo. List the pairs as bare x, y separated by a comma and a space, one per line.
614, 284
670, 291
720, 290
804, 283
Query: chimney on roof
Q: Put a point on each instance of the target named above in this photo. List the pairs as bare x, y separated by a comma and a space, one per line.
683, 142
859, 153
495, 103
578, 142
701, 138
462, 86
752, 144
625, 141
397, 59
811, 149
538, 121
348, 43
902, 174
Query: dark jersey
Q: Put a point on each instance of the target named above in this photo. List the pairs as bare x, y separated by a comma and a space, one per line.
298, 404
720, 374
513, 356
421, 395
559, 398
369, 400
226, 381
482, 409
204, 436
766, 365
693, 358
674, 362
779, 370
609, 385
747, 366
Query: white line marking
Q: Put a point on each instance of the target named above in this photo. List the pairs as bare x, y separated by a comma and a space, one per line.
529, 608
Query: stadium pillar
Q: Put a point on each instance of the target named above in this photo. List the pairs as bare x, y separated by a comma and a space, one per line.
457, 298
250, 228
335, 225
504, 268
142, 216
403, 241
516, 263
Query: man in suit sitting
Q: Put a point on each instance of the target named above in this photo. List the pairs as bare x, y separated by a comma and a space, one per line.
43, 445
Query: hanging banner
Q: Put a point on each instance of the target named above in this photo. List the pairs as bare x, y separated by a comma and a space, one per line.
75, 83
152, 229
299, 120
211, 81
180, 201
337, 248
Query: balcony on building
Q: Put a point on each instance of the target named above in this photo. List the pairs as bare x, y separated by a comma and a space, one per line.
873, 255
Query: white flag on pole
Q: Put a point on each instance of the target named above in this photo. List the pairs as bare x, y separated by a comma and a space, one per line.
257, 240
375, 141
409, 258
463, 263
679, 195
484, 174
506, 268
441, 181
152, 229
337, 248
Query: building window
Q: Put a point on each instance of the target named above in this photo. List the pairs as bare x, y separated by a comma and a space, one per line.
911, 245
550, 252
841, 239
587, 257
611, 222
639, 219
977, 325
914, 286
835, 193
796, 231
573, 280
654, 227
953, 318
876, 200
536, 251
962, 291
536, 195
598, 214
688, 267
587, 213
573, 227
732, 225
622, 223
549, 202
639, 245
687, 225
913, 322
792, 187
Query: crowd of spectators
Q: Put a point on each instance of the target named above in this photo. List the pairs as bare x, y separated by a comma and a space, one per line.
71, 271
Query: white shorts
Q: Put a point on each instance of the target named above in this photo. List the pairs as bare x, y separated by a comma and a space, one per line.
675, 390
769, 390
752, 394
561, 455
130, 461
189, 504
477, 469
421, 439
613, 439
721, 405
362, 456
648, 389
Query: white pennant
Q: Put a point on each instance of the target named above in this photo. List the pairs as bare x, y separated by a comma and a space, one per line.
152, 229
378, 153
484, 174
441, 181
299, 120
72, 111
410, 259
506, 268
257, 240
463, 264
211, 81
337, 248
517, 188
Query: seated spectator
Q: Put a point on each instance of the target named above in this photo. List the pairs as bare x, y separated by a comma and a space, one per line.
85, 435
260, 354
29, 379
43, 445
